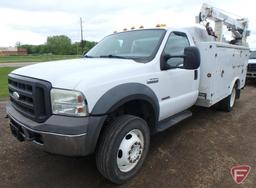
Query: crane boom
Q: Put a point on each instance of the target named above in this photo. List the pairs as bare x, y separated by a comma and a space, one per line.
239, 27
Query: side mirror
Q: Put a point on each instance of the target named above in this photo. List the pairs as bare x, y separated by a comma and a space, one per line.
164, 59
191, 58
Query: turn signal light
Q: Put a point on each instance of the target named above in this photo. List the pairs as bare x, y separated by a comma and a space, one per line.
161, 25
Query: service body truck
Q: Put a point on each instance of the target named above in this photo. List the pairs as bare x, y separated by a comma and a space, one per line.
251, 70
130, 85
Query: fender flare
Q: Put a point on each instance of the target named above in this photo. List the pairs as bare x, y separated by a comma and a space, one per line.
122, 94
233, 84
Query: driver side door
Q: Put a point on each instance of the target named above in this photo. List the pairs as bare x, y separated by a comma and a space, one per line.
179, 86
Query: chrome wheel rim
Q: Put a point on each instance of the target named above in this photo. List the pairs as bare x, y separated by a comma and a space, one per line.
233, 97
130, 150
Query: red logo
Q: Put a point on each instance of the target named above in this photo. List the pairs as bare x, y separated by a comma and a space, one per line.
240, 173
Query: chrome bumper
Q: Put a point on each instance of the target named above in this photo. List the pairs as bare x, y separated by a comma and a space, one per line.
69, 136
70, 145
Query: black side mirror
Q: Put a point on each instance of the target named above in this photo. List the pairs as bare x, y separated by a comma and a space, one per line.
192, 58
164, 59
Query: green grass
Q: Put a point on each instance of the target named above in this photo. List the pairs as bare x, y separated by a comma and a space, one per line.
4, 71
35, 58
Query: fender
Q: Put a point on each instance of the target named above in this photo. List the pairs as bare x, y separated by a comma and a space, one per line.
236, 79
233, 83
123, 93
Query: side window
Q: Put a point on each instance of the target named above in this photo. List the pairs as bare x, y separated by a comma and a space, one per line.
175, 45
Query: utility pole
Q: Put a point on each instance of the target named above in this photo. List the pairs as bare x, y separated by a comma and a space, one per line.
82, 40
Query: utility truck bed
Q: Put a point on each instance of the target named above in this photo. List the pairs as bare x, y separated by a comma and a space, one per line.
221, 65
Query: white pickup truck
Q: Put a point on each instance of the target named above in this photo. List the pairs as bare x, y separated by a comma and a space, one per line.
130, 85
251, 71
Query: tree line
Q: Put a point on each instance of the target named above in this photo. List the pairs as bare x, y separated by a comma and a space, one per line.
59, 45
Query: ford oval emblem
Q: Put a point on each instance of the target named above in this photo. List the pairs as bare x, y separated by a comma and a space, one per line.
16, 95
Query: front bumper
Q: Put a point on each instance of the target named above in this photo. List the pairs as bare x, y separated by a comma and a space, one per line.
251, 75
70, 136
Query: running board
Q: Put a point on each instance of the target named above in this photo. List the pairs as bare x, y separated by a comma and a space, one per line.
173, 120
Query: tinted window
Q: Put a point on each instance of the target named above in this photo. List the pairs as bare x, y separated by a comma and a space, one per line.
175, 45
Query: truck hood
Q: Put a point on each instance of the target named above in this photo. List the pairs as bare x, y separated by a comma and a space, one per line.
69, 73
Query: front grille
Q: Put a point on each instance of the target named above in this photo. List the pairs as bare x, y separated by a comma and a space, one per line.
31, 97
251, 67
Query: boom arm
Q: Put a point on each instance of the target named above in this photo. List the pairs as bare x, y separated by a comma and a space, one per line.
237, 26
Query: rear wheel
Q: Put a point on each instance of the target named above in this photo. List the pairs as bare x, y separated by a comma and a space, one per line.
232, 98
228, 103
123, 148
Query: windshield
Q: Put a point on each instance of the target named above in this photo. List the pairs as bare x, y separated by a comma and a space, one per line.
140, 45
253, 55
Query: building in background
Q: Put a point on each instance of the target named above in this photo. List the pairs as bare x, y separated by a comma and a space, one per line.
5, 51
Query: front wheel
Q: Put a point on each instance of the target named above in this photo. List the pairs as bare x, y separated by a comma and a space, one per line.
123, 148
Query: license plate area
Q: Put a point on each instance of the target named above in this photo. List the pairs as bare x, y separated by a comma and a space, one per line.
17, 132
23, 134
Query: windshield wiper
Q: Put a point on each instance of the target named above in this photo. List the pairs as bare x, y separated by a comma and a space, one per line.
113, 56
88, 56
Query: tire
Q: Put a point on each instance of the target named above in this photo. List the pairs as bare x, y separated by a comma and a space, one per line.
114, 154
228, 103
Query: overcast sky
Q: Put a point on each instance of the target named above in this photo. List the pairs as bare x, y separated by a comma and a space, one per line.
31, 21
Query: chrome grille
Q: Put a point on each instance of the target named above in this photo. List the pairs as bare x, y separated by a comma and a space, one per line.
31, 97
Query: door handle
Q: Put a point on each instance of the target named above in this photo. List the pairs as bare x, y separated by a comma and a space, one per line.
222, 73
195, 74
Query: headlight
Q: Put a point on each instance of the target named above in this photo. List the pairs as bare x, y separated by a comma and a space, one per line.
68, 102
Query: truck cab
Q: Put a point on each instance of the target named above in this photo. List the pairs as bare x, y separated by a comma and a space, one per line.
148, 64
